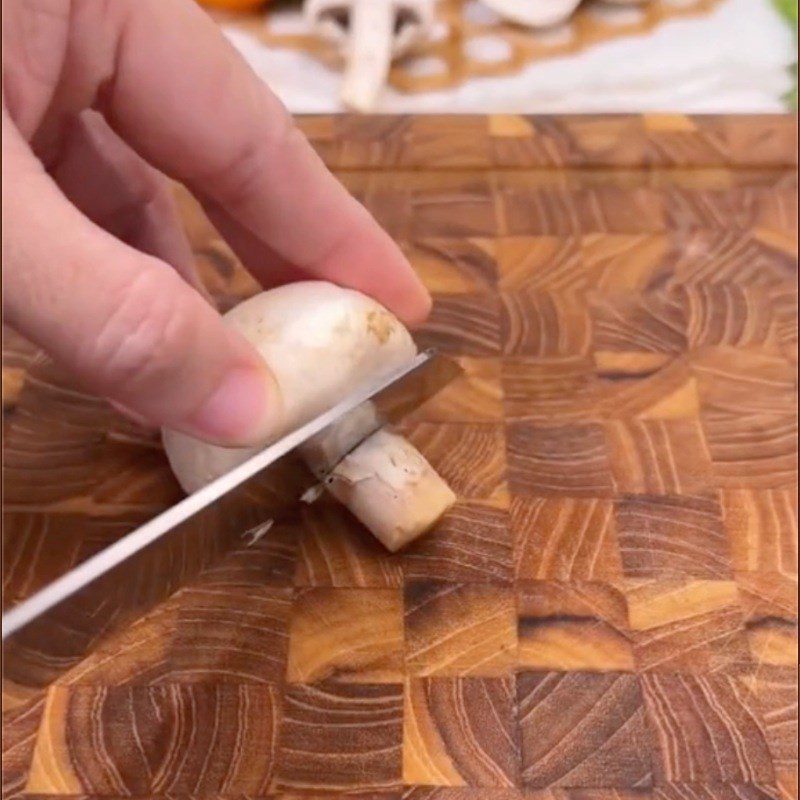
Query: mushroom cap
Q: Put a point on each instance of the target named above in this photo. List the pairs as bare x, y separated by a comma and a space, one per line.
321, 342
534, 13
332, 19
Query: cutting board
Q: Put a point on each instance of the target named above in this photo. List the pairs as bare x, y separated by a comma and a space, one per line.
609, 610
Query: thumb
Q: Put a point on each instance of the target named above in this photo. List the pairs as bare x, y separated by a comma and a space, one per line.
124, 323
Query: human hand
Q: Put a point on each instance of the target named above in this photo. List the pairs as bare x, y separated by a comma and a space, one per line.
101, 101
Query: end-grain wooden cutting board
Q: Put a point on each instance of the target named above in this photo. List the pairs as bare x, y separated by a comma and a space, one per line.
611, 606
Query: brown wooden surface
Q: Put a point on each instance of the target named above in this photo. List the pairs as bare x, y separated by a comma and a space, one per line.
611, 608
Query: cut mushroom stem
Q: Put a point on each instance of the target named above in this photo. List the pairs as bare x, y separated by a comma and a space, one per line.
324, 450
384, 481
390, 487
321, 343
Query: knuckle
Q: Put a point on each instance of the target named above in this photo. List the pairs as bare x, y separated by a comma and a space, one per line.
146, 199
243, 174
140, 343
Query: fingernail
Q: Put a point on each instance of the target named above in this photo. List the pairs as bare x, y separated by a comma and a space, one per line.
240, 411
417, 309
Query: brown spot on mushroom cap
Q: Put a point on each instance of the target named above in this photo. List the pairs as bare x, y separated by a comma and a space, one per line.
380, 325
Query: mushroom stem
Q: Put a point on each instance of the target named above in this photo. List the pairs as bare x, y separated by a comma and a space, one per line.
384, 481
324, 450
390, 487
369, 53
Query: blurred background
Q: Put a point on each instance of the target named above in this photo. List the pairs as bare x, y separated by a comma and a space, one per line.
523, 56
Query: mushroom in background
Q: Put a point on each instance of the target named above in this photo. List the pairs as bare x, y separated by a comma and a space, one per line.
534, 13
369, 33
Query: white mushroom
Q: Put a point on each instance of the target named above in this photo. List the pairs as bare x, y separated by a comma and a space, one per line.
369, 33
321, 342
534, 13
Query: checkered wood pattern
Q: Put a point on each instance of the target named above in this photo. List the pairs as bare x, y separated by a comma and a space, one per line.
609, 611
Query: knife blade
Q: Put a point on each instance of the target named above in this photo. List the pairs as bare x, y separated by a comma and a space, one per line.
46, 634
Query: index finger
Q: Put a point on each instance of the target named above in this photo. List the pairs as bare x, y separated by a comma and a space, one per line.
187, 102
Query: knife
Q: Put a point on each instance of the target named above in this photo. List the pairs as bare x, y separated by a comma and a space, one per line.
49, 632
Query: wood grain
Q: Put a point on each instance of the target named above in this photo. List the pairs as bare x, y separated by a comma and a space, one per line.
457, 793
540, 263
460, 629
775, 690
724, 314
254, 652
623, 262
752, 451
573, 626
726, 791
608, 612
762, 529
708, 729
737, 381
533, 210
536, 323
583, 729
349, 635
20, 727
454, 266
552, 389
71, 452
471, 544
334, 550
568, 460
460, 732
452, 205
658, 456
341, 736
769, 604
621, 210
691, 626
784, 305
474, 396
639, 386
465, 324
37, 548
654, 321
173, 738
470, 457
664, 536
729, 256
564, 538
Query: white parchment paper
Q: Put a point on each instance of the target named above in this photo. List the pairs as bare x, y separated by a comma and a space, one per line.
733, 60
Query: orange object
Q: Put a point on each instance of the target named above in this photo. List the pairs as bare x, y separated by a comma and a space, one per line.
235, 5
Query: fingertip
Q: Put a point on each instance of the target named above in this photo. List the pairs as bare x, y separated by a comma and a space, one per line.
414, 305
422, 309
